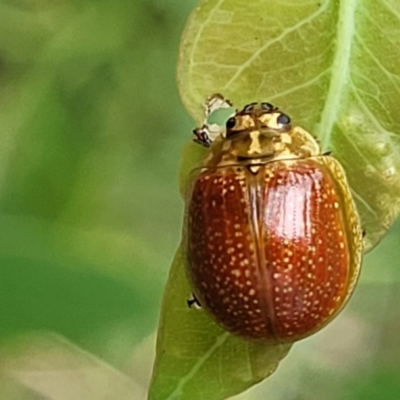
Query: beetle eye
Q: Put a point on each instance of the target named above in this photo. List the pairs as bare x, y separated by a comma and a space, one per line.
231, 123
283, 119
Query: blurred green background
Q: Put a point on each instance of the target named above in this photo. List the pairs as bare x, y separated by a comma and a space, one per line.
91, 130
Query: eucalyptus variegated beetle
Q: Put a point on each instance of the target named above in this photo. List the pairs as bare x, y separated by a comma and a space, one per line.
273, 241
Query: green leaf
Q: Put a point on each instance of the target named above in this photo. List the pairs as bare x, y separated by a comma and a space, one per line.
196, 359
332, 65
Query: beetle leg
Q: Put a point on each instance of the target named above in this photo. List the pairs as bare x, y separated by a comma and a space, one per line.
364, 233
327, 153
193, 302
202, 136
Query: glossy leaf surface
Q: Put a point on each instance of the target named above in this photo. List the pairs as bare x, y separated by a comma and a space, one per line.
333, 67
196, 359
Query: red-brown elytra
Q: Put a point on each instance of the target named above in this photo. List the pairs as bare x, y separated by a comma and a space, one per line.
273, 241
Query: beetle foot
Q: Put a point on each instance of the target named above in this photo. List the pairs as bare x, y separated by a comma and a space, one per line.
364, 233
193, 302
202, 136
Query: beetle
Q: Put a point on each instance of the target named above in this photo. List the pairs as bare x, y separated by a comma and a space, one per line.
273, 240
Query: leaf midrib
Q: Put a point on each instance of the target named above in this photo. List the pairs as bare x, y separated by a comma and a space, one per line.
339, 71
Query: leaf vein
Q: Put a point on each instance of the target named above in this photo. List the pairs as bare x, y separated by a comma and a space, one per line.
273, 41
378, 63
391, 9
357, 147
176, 394
199, 34
361, 200
300, 86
